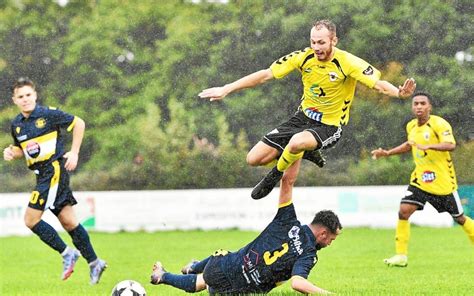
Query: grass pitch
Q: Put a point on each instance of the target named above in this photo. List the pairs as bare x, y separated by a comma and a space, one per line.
441, 262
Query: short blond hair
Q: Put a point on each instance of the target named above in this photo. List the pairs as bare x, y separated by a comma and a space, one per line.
326, 24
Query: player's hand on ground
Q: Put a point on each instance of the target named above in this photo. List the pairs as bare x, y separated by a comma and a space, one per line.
407, 89
214, 93
8, 153
71, 161
379, 153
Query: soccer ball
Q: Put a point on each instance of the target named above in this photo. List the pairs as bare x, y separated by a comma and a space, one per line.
128, 288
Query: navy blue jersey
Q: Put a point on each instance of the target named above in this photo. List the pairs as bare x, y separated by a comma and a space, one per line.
39, 135
284, 249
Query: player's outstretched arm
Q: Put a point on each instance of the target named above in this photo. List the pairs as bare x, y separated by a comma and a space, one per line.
302, 285
403, 91
403, 148
12, 152
251, 80
72, 156
444, 146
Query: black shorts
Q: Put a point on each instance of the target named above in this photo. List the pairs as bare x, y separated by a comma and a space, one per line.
215, 278
326, 135
442, 203
52, 189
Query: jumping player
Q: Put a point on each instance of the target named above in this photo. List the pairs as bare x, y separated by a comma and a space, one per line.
329, 77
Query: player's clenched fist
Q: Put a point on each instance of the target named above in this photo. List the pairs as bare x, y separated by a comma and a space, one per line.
8, 153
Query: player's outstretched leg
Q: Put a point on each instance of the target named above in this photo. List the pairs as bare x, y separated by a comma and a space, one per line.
195, 266
97, 267
315, 157
70, 257
397, 261
266, 185
189, 268
185, 282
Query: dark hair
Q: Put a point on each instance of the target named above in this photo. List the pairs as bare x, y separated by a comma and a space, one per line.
327, 219
424, 94
326, 24
23, 81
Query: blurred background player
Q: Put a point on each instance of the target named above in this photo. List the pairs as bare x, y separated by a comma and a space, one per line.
285, 249
37, 136
329, 78
430, 138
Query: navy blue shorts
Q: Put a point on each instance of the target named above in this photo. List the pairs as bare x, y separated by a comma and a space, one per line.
52, 189
215, 277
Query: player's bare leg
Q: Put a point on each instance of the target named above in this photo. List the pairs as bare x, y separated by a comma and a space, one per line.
293, 152
262, 154
288, 181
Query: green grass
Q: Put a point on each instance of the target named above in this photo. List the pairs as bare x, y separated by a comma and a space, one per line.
441, 262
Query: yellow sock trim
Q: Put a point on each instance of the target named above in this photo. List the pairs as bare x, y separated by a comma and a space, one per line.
271, 164
469, 228
287, 158
402, 235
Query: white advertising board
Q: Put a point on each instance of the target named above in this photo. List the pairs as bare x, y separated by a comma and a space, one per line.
110, 211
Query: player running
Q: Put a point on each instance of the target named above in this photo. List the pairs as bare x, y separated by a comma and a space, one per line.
329, 77
284, 250
430, 139
36, 135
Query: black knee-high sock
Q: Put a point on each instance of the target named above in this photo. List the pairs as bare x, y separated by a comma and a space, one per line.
81, 240
198, 267
186, 282
49, 235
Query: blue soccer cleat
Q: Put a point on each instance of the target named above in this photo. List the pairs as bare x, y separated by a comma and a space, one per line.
97, 268
69, 261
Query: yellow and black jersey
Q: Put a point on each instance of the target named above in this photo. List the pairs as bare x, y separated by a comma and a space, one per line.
39, 135
434, 171
329, 87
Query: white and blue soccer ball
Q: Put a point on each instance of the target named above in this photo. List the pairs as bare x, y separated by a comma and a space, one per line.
128, 288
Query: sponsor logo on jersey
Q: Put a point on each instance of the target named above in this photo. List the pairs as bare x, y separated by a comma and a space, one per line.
307, 70
22, 138
428, 176
33, 149
426, 136
333, 76
446, 133
40, 122
368, 71
313, 113
249, 268
294, 235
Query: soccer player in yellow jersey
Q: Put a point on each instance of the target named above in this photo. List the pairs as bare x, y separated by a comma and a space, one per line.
430, 138
329, 77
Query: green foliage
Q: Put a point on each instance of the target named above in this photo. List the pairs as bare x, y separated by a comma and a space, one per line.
133, 71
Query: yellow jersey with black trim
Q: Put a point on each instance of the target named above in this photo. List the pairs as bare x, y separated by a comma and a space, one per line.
39, 135
434, 171
329, 87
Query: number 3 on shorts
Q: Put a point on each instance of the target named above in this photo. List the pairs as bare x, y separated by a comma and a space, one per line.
271, 258
34, 197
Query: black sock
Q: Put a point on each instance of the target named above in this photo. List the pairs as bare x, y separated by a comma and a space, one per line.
49, 235
81, 240
186, 282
